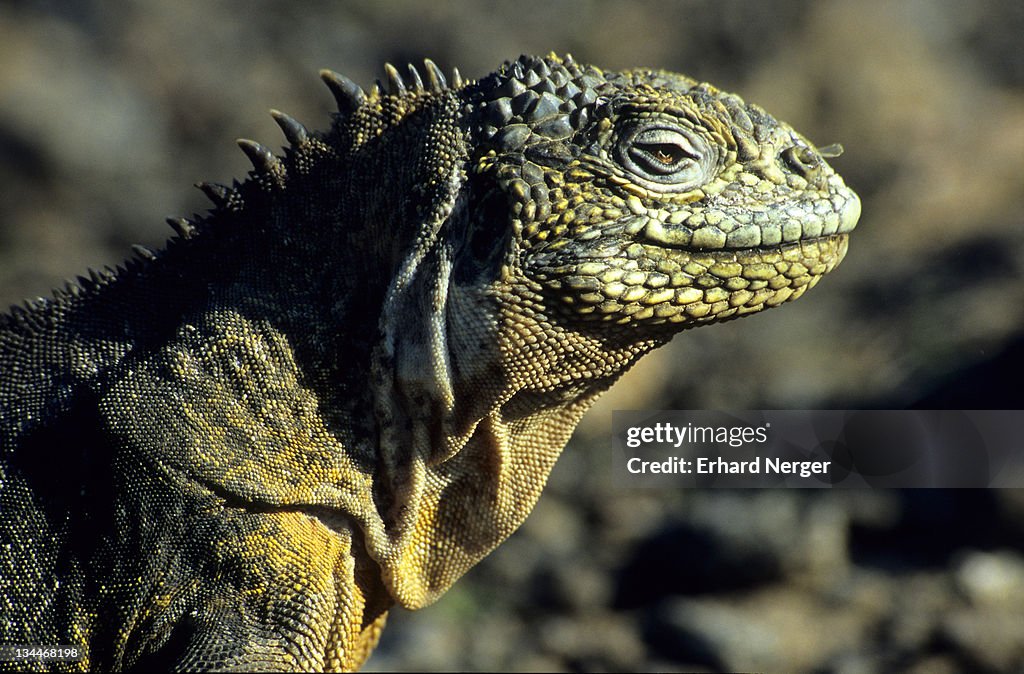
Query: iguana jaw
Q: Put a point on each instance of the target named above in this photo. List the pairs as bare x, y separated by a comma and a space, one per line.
702, 262
683, 288
684, 276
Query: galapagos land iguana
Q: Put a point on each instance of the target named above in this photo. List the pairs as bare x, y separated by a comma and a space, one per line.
347, 383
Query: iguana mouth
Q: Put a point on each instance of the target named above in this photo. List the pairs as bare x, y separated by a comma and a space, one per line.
763, 248
676, 285
766, 229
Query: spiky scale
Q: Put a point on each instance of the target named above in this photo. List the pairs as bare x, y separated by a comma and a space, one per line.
417, 81
33, 318
183, 227
261, 156
435, 76
456, 78
101, 276
396, 87
347, 94
143, 252
219, 194
294, 131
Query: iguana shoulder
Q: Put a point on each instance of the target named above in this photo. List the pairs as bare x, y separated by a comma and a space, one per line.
347, 383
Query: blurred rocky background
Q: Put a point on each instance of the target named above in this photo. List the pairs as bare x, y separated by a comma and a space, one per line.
110, 110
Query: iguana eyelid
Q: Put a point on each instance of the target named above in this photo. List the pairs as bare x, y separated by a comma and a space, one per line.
643, 147
662, 136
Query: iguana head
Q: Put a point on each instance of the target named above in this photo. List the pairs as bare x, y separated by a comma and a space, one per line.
645, 198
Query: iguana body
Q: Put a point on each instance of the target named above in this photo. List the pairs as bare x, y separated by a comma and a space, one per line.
348, 382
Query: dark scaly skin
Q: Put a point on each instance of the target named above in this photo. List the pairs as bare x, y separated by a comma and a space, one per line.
348, 382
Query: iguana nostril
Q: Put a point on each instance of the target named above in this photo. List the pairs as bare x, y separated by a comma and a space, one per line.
803, 160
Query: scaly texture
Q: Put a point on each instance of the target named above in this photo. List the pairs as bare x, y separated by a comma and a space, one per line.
347, 383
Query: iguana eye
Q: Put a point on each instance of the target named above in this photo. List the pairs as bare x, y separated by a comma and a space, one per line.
668, 156
666, 153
